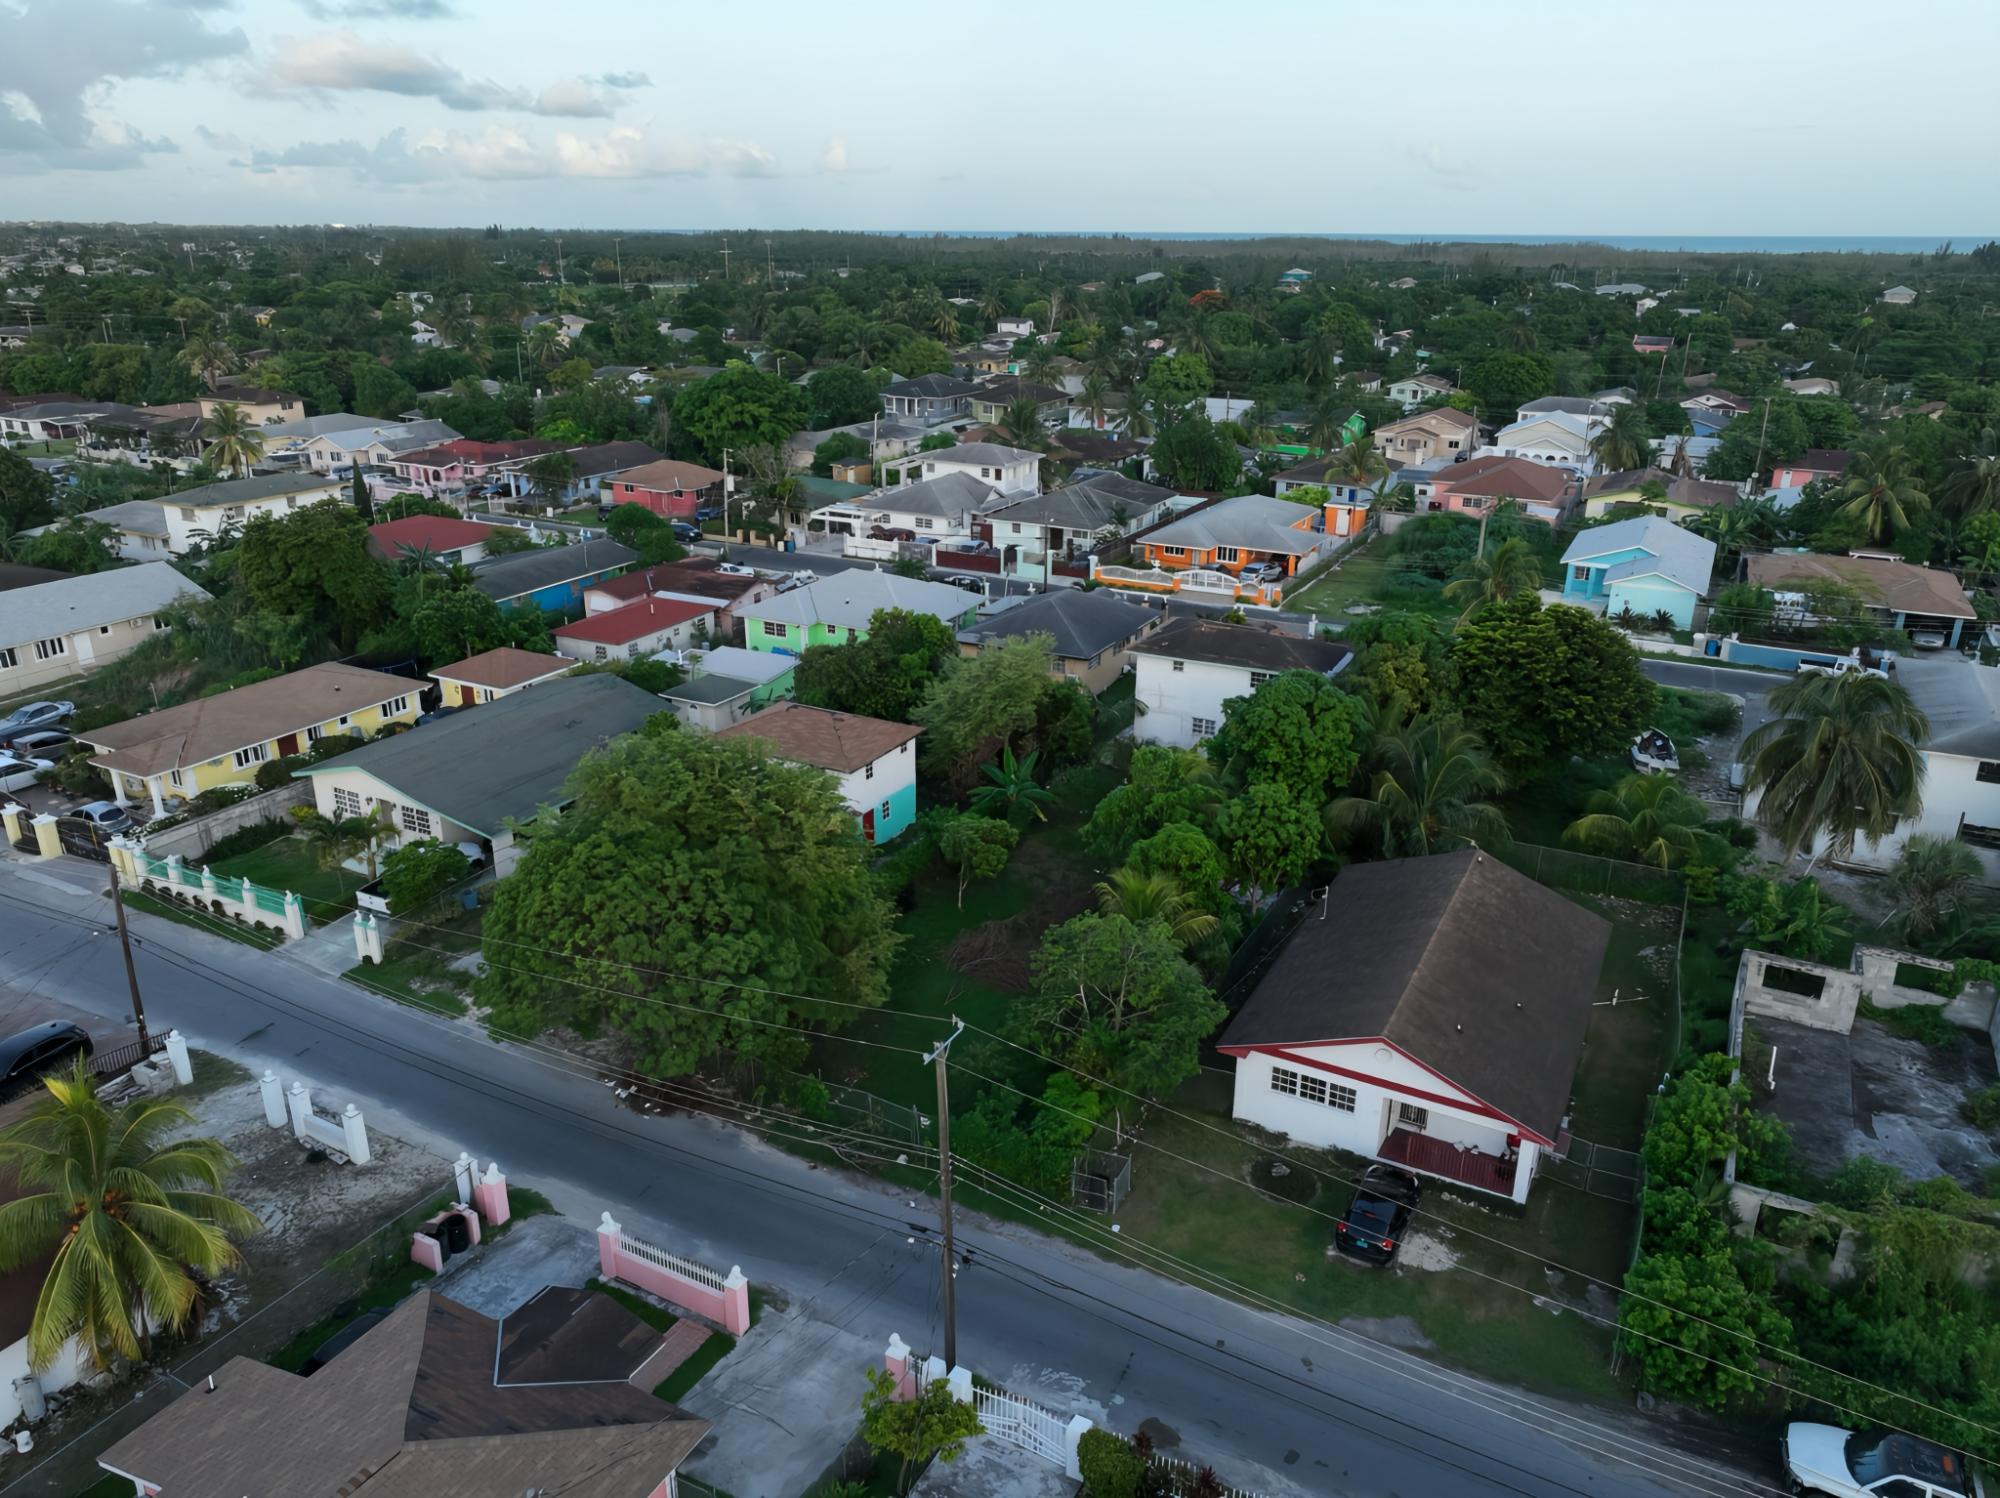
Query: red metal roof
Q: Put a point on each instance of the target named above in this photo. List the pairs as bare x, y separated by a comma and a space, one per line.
633, 622
476, 454
425, 532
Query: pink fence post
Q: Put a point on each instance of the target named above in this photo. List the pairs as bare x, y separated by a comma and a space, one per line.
898, 1361
608, 1233
471, 1221
490, 1195
736, 1302
427, 1251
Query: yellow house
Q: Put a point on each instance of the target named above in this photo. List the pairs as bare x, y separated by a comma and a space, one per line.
177, 753
1677, 498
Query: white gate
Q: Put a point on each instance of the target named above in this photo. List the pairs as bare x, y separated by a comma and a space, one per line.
1023, 1424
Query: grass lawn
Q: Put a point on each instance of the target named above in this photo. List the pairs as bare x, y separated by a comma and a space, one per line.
1363, 576
289, 865
1625, 1051
212, 1073
422, 975
167, 910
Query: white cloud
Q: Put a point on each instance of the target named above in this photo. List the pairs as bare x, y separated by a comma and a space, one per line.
371, 10
334, 62
502, 153
834, 157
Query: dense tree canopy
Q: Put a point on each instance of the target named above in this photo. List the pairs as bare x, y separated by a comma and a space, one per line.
1543, 684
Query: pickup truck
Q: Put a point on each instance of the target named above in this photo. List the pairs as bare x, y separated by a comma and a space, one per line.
1842, 665
1873, 1464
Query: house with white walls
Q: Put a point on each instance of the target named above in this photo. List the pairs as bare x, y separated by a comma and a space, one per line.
1187, 671
874, 760
1431, 1015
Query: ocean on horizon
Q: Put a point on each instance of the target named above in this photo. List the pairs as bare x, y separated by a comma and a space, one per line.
1693, 244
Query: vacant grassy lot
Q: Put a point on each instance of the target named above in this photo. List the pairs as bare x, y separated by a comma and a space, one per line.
416, 968
1367, 575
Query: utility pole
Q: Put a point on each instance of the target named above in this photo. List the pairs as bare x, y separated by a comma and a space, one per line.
725, 257
1757, 466
727, 484
770, 270
618, 250
949, 1268
131, 972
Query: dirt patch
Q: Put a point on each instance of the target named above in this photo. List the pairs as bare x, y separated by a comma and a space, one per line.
1426, 1251
998, 953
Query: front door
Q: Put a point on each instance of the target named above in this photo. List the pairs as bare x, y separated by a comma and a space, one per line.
288, 745
868, 824
465, 697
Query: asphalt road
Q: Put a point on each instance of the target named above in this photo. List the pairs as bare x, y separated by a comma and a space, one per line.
1750, 687
1276, 1404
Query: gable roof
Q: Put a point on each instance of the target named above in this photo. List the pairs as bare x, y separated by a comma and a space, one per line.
981, 454
89, 600
699, 575
1703, 494
504, 667
258, 486
1505, 478
634, 621
1573, 405
670, 476
142, 517
949, 496
611, 457
1676, 553
525, 572
209, 727
931, 386
841, 742
1576, 428
1888, 583
1082, 624
16, 575
398, 538
1009, 388
757, 666
507, 759
1472, 969
1441, 416
1961, 701
848, 600
427, 1404
1249, 646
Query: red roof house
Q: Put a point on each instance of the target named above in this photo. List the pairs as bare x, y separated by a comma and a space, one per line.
638, 629
432, 535
668, 487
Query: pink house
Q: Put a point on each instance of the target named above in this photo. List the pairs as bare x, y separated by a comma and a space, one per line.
1475, 486
1813, 463
668, 487
446, 470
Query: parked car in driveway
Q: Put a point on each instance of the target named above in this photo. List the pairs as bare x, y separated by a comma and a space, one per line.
35, 715
40, 743
104, 816
18, 773
40, 1049
1376, 1218
1872, 1464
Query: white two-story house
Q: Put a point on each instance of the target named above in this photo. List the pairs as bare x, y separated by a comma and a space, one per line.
1188, 670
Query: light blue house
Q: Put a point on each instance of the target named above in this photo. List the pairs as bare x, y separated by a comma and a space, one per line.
1649, 565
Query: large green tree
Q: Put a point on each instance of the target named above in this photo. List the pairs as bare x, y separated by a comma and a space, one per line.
690, 890
1271, 835
315, 563
1163, 786
737, 408
1425, 791
1542, 684
25, 494
1505, 382
841, 396
1840, 759
128, 1210
981, 703
1298, 729
882, 676
1646, 818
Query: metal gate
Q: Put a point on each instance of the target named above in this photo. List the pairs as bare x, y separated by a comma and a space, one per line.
1598, 1169
1023, 1424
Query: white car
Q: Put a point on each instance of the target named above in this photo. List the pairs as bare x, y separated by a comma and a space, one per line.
17, 774
1838, 665
1877, 1464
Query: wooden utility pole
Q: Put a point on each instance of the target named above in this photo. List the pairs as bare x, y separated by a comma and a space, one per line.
131, 972
949, 1268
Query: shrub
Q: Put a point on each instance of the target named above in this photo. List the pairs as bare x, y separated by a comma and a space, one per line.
1920, 1022
1982, 1109
274, 773
243, 839
417, 873
1110, 1467
218, 797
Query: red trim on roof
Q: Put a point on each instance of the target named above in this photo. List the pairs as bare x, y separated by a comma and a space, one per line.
634, 621
1482, 1109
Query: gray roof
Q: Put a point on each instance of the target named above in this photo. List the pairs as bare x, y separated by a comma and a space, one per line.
257, 486
949, 496
1253, 647
90, 600
1677, 553
1477, 972
848, 600
397, 436
501, 761
1574, 405
983, 454
1082, 624
144, 517
711, 691
1961, 700
317, 426
933, 386
1255, 521
759, 666
68, 410
506, 577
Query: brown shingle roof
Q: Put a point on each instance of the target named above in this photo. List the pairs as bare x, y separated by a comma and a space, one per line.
503, 668
1883, 581
209, 727
670, 476
814, 736
1474, 970
699, 575
1504, 478
1697, 493
1250, 646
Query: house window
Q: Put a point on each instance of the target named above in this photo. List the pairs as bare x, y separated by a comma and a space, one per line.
1410, 1116
315, 733
602, 653
1580, 574
346, 803
1204, 728
1226, 554
1180, 665
924, 523
187, 512
885, 811
1173, 551
773, 631
869, 773
1312, 1089
158, 622
1258, 678
104, 629
1989, 771
175, 779
8, 660
256, 754
49, 649
396, 705
417, 820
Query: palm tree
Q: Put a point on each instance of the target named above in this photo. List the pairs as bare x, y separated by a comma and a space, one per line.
1094, 399
1881, 493
1427, 793
1645, 817
992, 304
130, 1209
1360, 464
1735, 528
1621, 443
234, 443
1157, 896
1935, 881
334, 840
1326, 424
1974, 486
1022, 422
1842, 759
208, 356
1012, 786
543, 347
1679, 460
1511, 571
1195, 335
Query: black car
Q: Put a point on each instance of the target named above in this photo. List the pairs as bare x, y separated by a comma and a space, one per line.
40, 1049
1378, 1214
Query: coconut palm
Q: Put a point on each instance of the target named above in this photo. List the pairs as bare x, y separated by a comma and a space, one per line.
1022, 422
1934, 882
1840, 760
1011, 787
1359, 464
208, 356
1679, 461
1196, 334
1621, 444
234, 443
1645, 817
1512, 570
1094, 399
1746, 525
1881, 492
992, 304
334, 840
543, 346
1140, 896
1427, 791
128, 1212
1973, 487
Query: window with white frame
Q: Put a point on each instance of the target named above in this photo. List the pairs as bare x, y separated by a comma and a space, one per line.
417, 820
602, 653
315, 733
869, 773
396, 705
346, 803
256, 754
774, 630
1227, 554
1180, 665
1313, 1089
1258, 678
48, 650
8, 659
1204, 728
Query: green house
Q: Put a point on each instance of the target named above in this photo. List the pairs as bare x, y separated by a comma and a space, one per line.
836, 610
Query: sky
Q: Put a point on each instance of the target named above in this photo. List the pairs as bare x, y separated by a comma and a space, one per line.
1783, 117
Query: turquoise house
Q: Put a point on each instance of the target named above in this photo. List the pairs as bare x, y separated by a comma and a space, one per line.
1648, 565
836, 610
873, 761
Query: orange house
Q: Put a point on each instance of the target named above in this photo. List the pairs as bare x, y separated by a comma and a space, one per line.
1249, 546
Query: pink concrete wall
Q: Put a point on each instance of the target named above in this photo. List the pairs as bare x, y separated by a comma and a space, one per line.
490, 1198
427, 1251
729, 1306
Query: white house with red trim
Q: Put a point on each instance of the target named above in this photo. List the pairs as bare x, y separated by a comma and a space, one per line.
1431, 1015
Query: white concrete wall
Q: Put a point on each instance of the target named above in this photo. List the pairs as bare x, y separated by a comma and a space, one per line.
67, 1370
1953, 793
673, 637
1170, 700
372, 792
83, 650
1362, 1131
894, 771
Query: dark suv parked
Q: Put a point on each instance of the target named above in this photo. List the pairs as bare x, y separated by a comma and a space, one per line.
1378, 1214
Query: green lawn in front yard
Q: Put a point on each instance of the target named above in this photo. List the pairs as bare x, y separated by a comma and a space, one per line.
418, 970
1363, 576
180, 915
289, 865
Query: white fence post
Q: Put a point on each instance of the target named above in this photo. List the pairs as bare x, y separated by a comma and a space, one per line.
464, 1174
934, 1369
1072, 1437
357, 1135
177, 1054
274, 1099
367, 937
300, 1102
959, 1380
